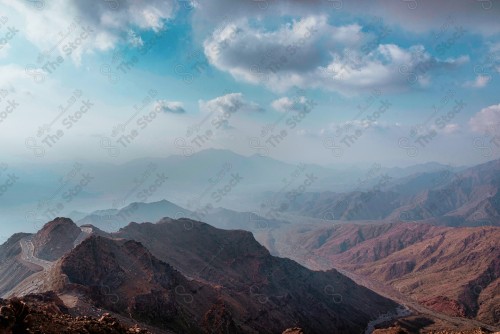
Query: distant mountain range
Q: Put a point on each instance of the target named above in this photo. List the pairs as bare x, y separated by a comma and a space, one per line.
112, 220
470, 197
193, 182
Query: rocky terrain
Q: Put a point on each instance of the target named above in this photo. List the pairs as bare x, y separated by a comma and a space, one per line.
454, 271
192, 278
47, 314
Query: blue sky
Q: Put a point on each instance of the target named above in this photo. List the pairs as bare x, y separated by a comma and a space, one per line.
318, 81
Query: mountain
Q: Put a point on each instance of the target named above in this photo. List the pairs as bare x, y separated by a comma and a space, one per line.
26, 259
198, 179
472, 195
123, 277
429, 167
469, 197
112, 220
182, 275
195, 278
55, 239
234, 260
454, 271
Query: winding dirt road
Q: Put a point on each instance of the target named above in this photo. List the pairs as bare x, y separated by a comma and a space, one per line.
37, 281
27, 254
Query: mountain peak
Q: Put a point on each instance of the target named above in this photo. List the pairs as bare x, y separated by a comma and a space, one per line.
55, 239
58, 221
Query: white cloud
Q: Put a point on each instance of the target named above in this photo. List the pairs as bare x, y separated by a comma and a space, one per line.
480, 82
134, 39
451, 128
172, 107
243, 50
446, 129
228, 104
485, 119
311, 53
61, 22
286, 104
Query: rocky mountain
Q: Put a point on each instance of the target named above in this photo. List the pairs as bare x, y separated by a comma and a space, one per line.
455, 271
264, 293
26, 259
195, 278
123, 277
472, 196
203, 278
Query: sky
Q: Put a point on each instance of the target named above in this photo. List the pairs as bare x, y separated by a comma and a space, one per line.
326, 82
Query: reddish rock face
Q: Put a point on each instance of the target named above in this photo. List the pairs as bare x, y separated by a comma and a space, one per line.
445, 305
454, 271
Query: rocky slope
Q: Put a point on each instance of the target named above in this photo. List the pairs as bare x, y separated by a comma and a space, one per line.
454, 271
26, 259
13, 269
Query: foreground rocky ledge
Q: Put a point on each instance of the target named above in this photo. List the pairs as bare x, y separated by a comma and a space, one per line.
46, 314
